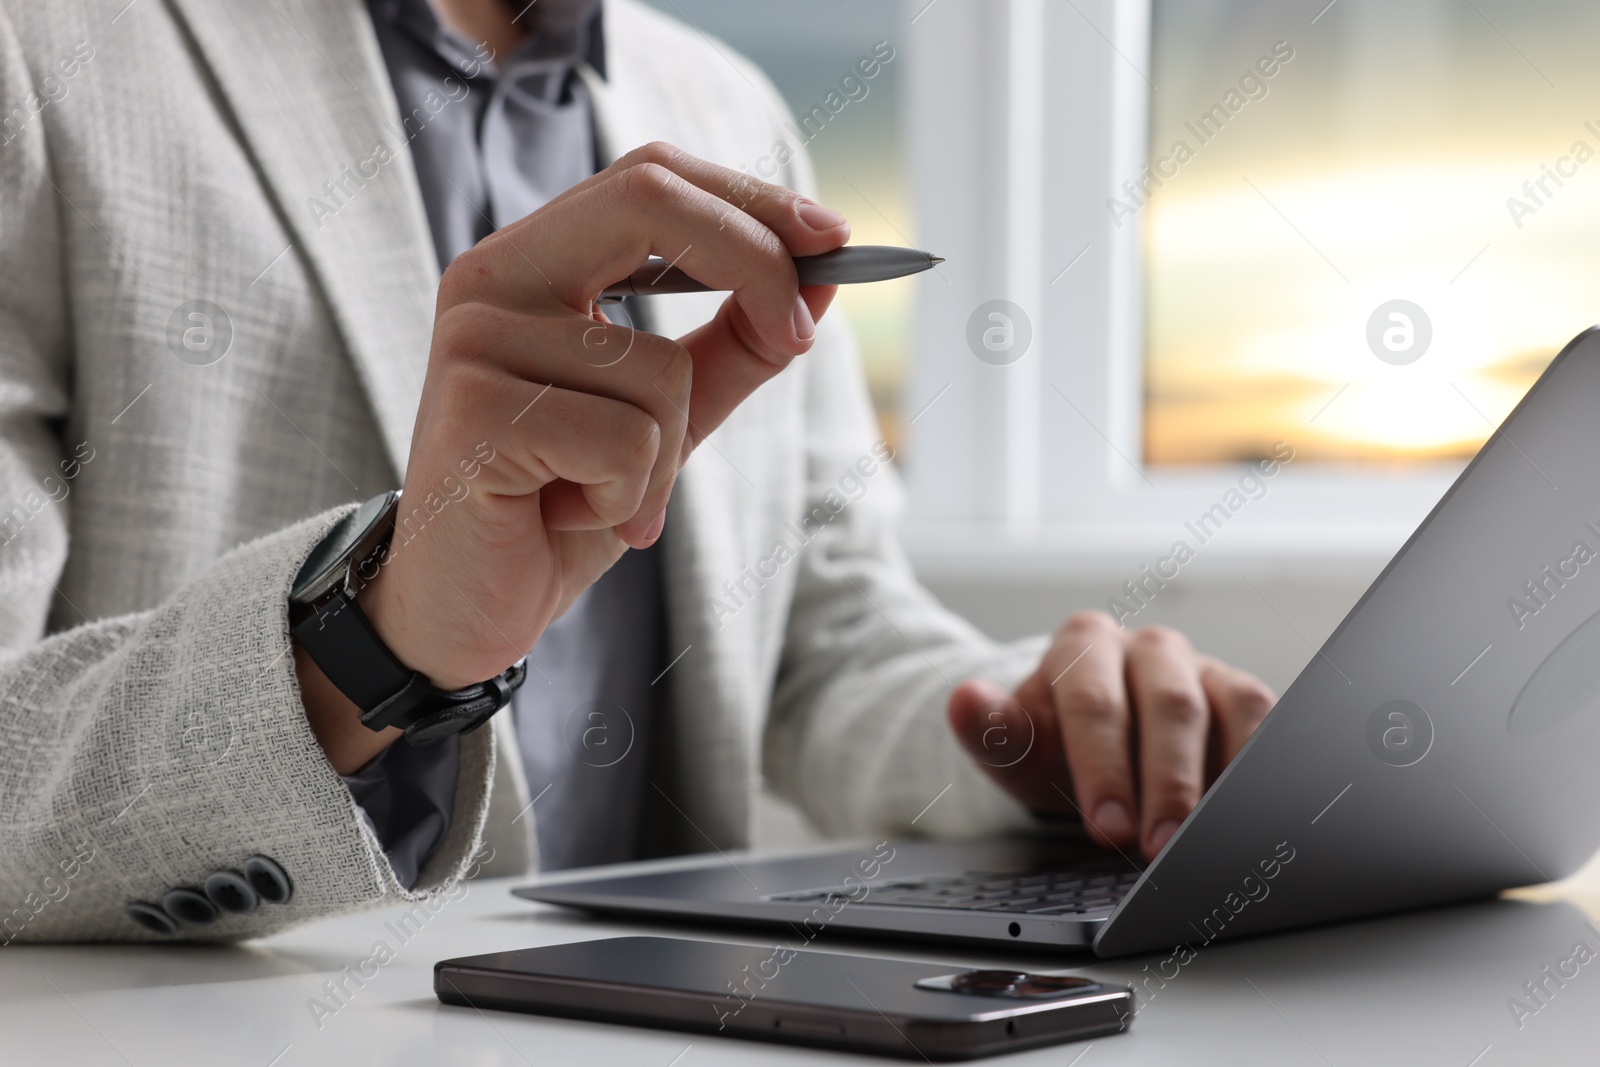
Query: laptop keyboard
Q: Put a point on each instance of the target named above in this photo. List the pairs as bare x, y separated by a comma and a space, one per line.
1091, 887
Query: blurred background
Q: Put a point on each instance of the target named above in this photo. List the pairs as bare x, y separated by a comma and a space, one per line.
1213, 230
1394, 139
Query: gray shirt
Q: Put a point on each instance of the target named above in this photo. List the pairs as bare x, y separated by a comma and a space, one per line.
492, 142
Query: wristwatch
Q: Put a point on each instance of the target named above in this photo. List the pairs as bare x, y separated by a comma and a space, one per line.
330, 625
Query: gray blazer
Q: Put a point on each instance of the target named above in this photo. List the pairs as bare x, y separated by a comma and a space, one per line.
163, 475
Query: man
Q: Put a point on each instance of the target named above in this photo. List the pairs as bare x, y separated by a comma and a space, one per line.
223, 319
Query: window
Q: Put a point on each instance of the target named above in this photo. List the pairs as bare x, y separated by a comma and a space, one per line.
1173, 339
1367, 234
1378, 234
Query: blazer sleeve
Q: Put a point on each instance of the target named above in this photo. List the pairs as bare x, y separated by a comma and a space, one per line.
142, 753
856, 732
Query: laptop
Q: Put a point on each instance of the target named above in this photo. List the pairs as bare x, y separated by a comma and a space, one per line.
1442, 745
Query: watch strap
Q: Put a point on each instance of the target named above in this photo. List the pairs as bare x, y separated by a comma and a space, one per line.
340, 639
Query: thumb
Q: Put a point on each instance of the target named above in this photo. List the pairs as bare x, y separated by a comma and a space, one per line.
1017, 747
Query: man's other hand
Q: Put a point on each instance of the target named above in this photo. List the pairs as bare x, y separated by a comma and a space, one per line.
1121, 728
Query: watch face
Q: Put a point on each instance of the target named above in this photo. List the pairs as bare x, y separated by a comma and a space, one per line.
326, 564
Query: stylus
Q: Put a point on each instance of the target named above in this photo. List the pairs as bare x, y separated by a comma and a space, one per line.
849, 265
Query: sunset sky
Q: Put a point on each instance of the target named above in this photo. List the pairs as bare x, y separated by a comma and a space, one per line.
1390, 142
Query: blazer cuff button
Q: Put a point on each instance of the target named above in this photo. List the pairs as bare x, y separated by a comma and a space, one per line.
152, 918
189, 906
229, 891
268, 880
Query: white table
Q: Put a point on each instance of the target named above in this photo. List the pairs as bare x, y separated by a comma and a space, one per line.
1427, 988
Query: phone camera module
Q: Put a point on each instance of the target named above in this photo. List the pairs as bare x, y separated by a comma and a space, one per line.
991, 982
1017, 985
1042, 986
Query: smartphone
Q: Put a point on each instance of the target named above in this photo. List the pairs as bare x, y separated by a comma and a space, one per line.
862, 1004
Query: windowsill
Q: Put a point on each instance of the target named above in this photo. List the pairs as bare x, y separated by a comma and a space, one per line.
956, 549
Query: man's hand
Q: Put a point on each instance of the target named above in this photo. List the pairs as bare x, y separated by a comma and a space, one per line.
588, 423
1123, 728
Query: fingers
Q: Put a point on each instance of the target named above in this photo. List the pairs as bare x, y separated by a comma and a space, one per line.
575, 353
1239, 701
1014, 740
805, 227
1174, 720
722, 227
1143, 721
718, 225
605, 448
724, 374
1084, 671
602, 233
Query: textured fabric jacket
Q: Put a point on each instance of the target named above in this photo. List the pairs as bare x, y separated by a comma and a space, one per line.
216, 298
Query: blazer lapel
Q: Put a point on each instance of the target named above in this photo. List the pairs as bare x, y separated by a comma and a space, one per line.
306, 83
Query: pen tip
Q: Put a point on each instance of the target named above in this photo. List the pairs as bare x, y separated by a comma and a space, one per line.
935, 259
